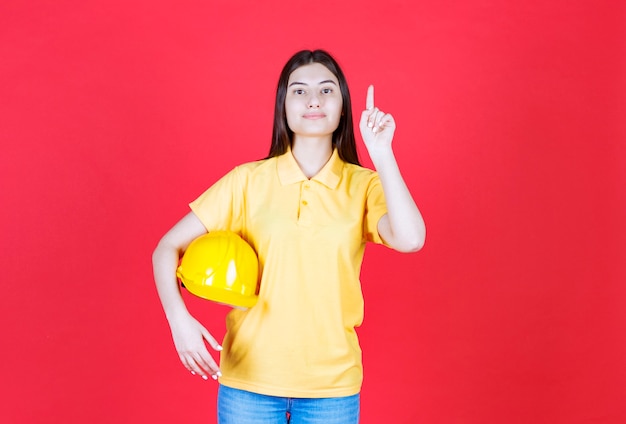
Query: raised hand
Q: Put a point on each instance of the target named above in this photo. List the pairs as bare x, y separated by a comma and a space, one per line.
377, 127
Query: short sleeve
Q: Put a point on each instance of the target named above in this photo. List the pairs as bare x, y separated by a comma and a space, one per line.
221, 206
375, 208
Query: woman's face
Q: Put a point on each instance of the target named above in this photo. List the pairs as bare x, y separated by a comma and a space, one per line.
313, 103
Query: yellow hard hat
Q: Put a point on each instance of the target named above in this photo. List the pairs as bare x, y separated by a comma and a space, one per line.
220, 266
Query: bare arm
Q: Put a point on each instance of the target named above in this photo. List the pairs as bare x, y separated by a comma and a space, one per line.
402, 227
188, 334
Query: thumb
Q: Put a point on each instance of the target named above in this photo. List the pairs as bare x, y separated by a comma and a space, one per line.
210, 339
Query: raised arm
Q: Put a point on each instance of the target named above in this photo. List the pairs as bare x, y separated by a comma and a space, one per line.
402, 227
188, 334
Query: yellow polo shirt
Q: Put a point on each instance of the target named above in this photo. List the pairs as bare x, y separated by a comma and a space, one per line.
310, 235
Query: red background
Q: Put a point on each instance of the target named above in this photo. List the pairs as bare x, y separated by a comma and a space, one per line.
511, 135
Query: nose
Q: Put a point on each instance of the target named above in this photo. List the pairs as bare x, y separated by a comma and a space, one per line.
313, 102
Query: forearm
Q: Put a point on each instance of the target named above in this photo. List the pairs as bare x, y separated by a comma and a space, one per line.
404, 227
164, 263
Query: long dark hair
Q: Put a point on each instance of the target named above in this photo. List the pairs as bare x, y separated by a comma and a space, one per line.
343, 137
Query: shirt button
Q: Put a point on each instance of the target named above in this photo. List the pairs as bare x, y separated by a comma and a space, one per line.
307, 186
304, 202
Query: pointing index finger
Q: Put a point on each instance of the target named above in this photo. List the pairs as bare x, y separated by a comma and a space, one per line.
369, 102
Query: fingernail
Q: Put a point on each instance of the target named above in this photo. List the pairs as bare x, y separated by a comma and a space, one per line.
193, 373
214, 377
219, 374
204, 377
370, 124
219, 347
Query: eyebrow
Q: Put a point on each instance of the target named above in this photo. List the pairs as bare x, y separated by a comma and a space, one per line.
320, 83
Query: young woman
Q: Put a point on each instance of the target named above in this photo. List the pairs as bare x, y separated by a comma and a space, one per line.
308, 211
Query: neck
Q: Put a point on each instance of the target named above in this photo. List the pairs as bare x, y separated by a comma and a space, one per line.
311, 154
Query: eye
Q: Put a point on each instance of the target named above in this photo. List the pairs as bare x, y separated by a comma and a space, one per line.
327, 90
298, 91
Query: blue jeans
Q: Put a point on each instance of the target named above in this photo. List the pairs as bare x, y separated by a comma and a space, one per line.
236, 406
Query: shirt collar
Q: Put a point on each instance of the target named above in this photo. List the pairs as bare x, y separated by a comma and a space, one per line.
289, 172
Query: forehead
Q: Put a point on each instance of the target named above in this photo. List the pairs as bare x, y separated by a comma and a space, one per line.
313, 73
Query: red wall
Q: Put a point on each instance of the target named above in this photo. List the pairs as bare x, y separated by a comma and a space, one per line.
511, 135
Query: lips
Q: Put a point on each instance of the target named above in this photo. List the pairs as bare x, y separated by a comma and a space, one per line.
314, 115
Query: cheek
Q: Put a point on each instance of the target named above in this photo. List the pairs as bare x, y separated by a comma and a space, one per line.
290, 114
337, 109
